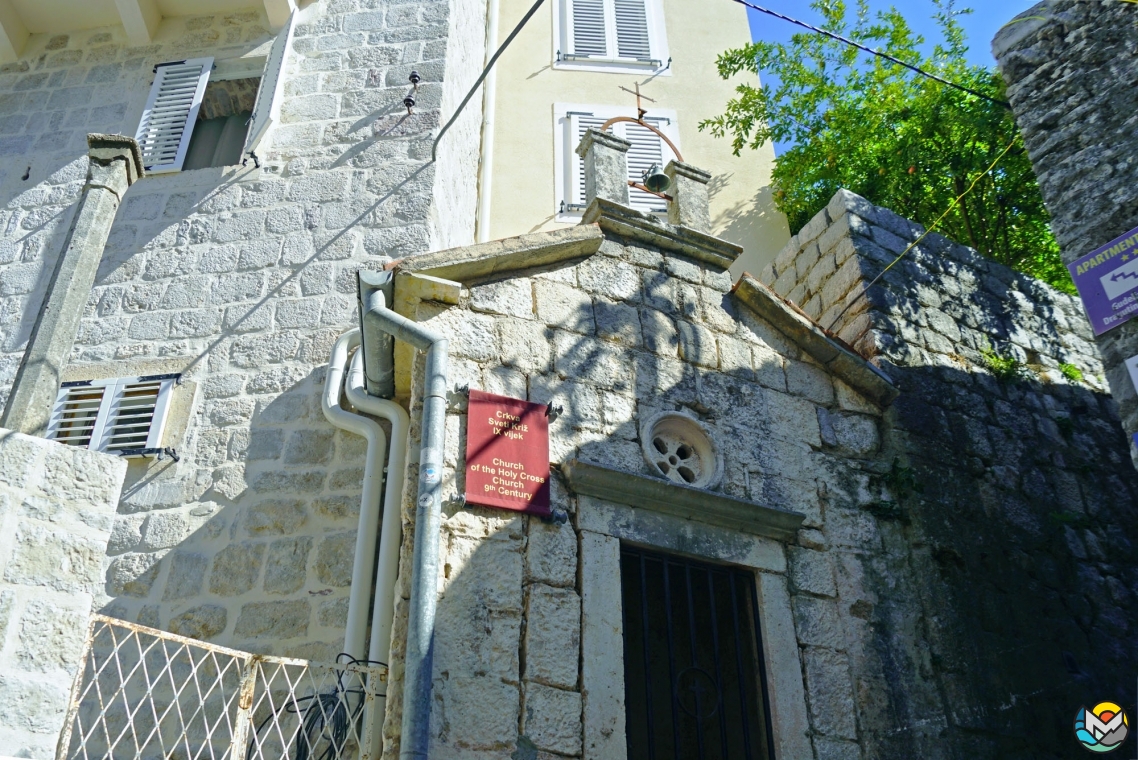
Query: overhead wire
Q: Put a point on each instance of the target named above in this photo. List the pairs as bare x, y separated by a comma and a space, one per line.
923, 235
878, 53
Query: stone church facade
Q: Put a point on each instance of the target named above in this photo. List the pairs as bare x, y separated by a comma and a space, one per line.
895, 552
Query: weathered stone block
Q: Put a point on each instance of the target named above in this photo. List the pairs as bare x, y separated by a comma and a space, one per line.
551, 554
563, 306
286, 565
202, 622
511, 297
273, 620
832, 707
812, 571
553, 636
333, 563
236, 568
697, 344
186, 575
552, 719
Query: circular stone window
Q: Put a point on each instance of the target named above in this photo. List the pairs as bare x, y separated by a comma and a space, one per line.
679, 448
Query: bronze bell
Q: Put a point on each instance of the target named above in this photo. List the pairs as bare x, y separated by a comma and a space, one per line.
655, 179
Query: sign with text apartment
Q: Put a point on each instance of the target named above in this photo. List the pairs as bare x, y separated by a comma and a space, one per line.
507, 453
1107, 279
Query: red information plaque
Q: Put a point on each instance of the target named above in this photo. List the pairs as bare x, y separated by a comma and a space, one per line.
507, 454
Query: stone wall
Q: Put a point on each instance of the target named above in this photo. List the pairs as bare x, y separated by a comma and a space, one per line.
57, 505
1068, 65
991, 595
240, 278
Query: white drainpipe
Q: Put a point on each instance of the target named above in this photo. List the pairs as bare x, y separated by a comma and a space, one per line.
489, 94
359, 594
391, 530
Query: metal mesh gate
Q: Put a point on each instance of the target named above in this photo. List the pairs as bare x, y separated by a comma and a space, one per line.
694, 680
142, 693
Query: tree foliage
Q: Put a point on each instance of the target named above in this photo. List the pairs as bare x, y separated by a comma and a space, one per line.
902, 140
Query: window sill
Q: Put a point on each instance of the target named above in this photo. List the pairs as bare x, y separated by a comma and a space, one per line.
614, 66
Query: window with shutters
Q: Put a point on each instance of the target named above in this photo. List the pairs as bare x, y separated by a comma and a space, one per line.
123, 415
570, 125
610, 35
191, 122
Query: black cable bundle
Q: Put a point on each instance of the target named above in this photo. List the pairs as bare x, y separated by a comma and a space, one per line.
325, 718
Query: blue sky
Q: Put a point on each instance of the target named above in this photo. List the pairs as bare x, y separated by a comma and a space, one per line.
980, 25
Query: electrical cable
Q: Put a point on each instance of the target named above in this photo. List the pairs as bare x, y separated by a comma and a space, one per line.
878, 53
482, 76
913, 244
326, 718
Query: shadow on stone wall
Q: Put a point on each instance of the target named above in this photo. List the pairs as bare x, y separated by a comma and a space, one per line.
256, 553
1004, 577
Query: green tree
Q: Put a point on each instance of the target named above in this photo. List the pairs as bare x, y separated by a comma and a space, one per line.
902, 140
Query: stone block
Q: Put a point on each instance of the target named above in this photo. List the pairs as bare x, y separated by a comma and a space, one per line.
133, 575
333, 563
275, 517
552, 719
286, 565
51, 635
734, 356
482, 713
553, 636
186, 575
617, 322
832, 707
273, 620
812, 571
525, 345
309, 447
810, 382
551, 554
817, 623
697, 345
609, 277
512, 297
202, 622
236, 568
561, 305
659, 333
163, 530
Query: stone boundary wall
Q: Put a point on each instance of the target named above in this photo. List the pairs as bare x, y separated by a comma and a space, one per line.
57, 505
1069, 67
994, 593
942, 305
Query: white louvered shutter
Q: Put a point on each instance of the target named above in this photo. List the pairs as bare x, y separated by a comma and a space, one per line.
588, 33
580, 123
632, 40
137, 412
117, 415
647, 149
75, 419
267, 108
171, 110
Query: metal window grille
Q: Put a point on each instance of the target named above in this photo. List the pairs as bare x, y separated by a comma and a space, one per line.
145, 693
694, 676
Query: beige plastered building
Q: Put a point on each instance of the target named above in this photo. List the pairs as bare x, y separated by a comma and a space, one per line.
525, 135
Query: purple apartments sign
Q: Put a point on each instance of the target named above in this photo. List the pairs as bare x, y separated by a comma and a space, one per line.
1107, 279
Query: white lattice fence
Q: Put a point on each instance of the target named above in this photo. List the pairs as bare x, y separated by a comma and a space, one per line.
142, 693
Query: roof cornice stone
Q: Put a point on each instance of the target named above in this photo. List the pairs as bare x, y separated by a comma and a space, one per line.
617, 219
853, 369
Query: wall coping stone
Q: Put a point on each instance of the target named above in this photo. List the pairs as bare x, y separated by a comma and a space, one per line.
484, 260
680, 500
852, 368
618, 219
